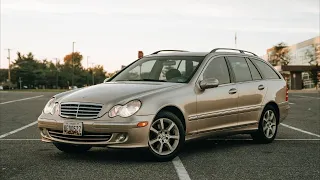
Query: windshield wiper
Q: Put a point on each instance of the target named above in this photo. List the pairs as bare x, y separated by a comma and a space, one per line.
154, 80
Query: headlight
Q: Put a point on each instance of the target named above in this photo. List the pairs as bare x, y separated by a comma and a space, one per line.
50, 107
126, 110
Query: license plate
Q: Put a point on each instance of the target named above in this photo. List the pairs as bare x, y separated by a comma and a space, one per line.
72, 128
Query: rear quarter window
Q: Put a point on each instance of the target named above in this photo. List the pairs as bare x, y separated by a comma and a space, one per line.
267, 71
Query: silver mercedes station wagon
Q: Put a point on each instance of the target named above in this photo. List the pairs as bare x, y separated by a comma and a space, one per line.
168, 97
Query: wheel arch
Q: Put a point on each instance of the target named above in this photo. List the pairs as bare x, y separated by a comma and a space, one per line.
276, 107
176, 111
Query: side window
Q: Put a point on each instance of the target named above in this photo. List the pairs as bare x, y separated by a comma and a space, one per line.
240, 68
218, 69
254, 72
266, 70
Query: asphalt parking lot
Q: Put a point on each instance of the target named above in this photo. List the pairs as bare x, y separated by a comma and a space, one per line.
295, 154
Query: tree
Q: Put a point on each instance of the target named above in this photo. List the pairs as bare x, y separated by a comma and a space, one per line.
77, 58
280, 54
26, 67
45, 74
98, 74
313, 62
73, 67
3, 75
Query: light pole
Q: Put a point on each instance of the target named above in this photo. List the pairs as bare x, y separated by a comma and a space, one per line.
72, 64
235, 40
57, 72
88, 62
87, 70
20, 81
92, 73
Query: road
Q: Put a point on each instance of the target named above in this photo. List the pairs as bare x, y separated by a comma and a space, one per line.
295, 154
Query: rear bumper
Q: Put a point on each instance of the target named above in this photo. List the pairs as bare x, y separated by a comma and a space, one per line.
284, 111
99, 132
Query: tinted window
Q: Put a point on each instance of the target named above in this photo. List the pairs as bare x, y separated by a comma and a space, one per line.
266, 70
218, 69
240, 69
254, 72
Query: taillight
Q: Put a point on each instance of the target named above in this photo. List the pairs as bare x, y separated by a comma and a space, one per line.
287, 95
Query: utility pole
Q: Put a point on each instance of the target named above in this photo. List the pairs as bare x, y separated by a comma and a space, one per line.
72, 64
9, 76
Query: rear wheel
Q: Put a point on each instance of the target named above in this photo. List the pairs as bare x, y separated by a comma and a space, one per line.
268, 126
166, 136
70, 148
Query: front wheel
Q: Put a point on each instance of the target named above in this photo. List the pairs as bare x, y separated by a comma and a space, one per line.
268, 126
70, 148
166, 136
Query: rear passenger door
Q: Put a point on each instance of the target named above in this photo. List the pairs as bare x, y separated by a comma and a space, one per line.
251, 89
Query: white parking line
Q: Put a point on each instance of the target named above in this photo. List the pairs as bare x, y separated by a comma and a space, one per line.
20, 99
297, 139
274, 139
181, 171
20, 139
291, 103
306, 96
208, 139
300, 130
17, 130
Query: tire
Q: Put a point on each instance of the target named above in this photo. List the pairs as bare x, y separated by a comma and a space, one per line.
268, 126
70, 148
166, 133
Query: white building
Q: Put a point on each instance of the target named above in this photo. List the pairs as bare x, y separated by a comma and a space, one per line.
299, 57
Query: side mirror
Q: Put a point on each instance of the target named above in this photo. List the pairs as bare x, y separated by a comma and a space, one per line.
209, 83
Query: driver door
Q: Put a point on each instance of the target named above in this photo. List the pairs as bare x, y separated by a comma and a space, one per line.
217, 108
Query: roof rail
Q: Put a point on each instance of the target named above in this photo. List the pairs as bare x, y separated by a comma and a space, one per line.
241, 51
168, 50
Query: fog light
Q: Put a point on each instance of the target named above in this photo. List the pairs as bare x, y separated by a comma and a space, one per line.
45, 132
121, 137
142, 124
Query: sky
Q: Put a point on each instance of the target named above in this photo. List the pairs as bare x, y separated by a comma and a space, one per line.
112, 32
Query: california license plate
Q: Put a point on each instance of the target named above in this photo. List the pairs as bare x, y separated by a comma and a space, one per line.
72, 128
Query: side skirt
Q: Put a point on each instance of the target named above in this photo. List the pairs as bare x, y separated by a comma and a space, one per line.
242, 129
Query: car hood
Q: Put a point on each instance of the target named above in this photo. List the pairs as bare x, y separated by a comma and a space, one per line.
114, 92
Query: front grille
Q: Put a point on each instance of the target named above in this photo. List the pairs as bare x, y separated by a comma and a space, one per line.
86, 137
80, 110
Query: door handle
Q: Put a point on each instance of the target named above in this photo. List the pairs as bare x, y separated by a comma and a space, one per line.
260, 87
232, 91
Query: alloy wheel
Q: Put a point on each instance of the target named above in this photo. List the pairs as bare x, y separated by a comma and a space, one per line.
164, 136
269, 124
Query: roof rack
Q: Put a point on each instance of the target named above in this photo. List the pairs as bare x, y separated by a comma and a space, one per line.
241, 51
168, 50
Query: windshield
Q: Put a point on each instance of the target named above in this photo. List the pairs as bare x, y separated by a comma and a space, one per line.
163, 69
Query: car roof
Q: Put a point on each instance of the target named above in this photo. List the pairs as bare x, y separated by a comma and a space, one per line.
179, 54
197, 54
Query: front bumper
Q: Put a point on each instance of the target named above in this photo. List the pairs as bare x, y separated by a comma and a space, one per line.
98, 132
